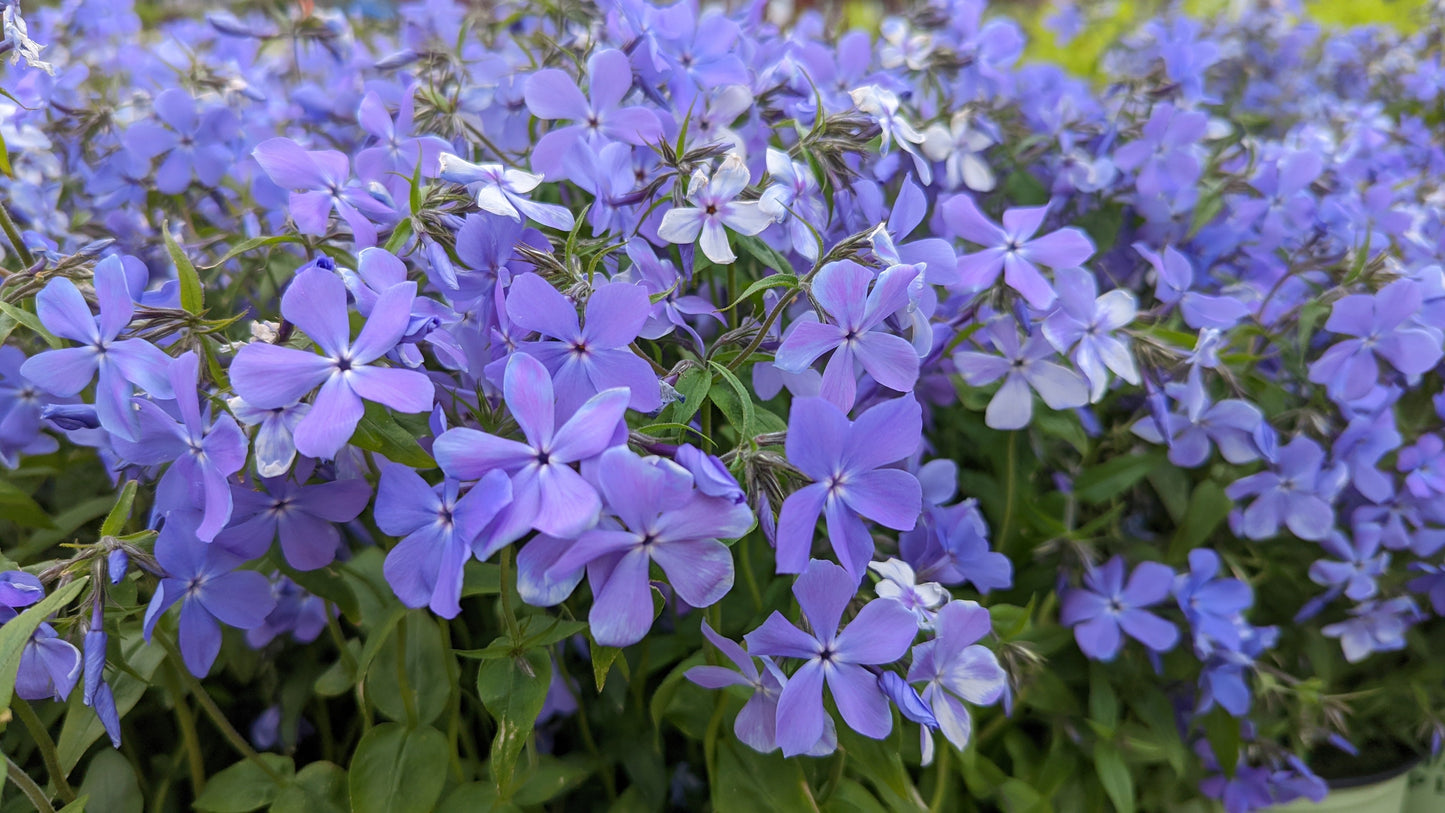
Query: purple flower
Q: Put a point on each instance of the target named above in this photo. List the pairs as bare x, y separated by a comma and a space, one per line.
1423, 477
841, 290
587, 358
1013, 250
397, 148
49, 665
1358, 562
1212, 604
794, 200
440, 527
319, 181
274, 444
1297, 493
193, 143
664, 520
879, 634
1023, 366
303, 516
1106, 606
119, 363
272, 377
1236, 427
757, 723
956, 670
551, 95
715, 205
203, 454
951, 547
846, 461
897, 583
1084, 324
547, 494
504, 191
205, 580
1382, 326
1374, 626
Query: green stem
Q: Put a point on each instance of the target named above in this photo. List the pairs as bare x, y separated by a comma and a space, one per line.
214, 712
402, 684
1010, 491
14, 235
47, 749
763, 329
454, 700
504, 563
749, 577
940, 790
187, 723
27, 786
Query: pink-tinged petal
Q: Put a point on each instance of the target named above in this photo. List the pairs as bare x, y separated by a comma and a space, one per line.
568, 504
622, 611
886, 433
1064, 248
535, 305
842, 289
862, 704
467, 454
288, 165
700, 571
890, 497
64, 372
399, 389
315, 302
113, 295
801, 717
797, 525
963, 219
1060, 387
891, 360
823, 592
551, 94
681, 225
1013, 405
331, 422
63, 311
592, 428
615, 314
310, 211
387, 323
271, 377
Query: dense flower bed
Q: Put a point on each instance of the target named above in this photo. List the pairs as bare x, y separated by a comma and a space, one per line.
871, 385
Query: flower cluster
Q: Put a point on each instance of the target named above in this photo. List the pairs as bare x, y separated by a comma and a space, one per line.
707, 310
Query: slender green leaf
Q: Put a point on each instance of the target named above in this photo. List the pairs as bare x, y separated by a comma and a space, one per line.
31, 321
1114, 776
110, 783
251, 245
19, 508
115, 520
1112, 477
193, 297
740, 410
